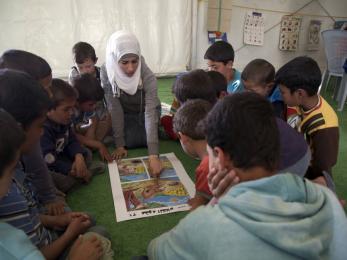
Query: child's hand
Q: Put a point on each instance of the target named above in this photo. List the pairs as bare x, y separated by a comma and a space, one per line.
55, 208
155, 166
104, 154
79, 167
220, 181
64, 220
197, 201
77, 226
86, 249
119, 153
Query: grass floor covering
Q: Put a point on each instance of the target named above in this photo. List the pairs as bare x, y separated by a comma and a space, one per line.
130, 238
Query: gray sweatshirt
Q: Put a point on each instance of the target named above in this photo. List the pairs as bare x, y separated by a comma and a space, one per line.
36, 170
137, 103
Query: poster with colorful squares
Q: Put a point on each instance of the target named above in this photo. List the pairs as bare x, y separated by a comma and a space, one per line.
137, 195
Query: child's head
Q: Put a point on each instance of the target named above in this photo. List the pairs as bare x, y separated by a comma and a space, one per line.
186, 123
242, 133
220, 57
84, 57
193, 85
23, 98
64, 101
219, 83
11, 139
89, 92
298, 79
30, 63
258, 76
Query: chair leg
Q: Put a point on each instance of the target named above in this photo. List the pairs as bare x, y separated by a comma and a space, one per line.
343, 91
323, 85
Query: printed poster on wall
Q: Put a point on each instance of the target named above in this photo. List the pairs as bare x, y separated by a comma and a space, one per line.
313, 35
137, 195
289, 33
253, 31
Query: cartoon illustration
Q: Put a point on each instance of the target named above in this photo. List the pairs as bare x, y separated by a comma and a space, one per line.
168, 169
132, 170
154, 194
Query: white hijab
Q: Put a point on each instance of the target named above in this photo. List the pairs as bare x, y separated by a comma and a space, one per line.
119, 44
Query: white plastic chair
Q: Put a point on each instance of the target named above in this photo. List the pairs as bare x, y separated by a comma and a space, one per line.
335, 47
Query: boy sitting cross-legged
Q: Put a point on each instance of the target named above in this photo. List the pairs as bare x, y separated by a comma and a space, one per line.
61, 150
85, 121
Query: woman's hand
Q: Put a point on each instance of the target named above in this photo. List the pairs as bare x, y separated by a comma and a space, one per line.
104, 154
119, 153
220, 181
155, 166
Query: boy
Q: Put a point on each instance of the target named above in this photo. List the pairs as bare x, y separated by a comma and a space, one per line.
61, 150
312, 116
219, 83
259, 76
193, 142
85, 121
14, 243
85, 63
220, 57
33, 162
267, 215
22, 97
195, 84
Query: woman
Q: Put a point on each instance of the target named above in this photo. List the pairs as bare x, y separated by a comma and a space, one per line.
131, 93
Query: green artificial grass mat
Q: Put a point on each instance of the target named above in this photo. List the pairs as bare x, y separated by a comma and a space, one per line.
130, 238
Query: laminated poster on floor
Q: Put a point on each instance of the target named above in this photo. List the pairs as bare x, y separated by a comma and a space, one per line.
137, 195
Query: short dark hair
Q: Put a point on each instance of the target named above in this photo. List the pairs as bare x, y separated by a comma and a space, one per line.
188, 116
220, 51
22, 97
34, 65
88, 88
300, 73
82, 51
243, 125
193, 85
62, 91
12, 137
219, 82
259, 71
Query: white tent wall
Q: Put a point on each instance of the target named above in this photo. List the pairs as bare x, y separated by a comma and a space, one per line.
50, 28
273, 11
172, 33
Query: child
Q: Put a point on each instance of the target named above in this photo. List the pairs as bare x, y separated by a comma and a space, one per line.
14, 244
253, 217
195, 84
259, 76
85, 63
33, 162
21, 97
30, 63
312, 116
61, 150
219, 83
193, 143
220, 57
85, 121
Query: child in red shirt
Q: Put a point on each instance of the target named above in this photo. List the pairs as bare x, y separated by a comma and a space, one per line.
192, 138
